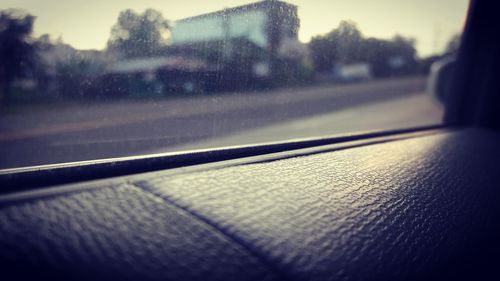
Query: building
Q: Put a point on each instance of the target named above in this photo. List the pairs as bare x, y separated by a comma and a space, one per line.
232, 48
266, 24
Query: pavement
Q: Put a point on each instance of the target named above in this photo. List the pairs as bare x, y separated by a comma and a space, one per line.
423, 111
125, 128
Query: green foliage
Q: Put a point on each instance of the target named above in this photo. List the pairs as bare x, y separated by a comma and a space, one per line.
292, 72
74, 77
341, 45
139, 35
379, 53
347, 45
18, 54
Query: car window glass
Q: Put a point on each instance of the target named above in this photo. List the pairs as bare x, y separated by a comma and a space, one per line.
83, 80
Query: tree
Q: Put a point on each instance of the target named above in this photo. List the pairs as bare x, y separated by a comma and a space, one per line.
139, 35
389, 57
323, 52
349, 39
346, 45
73, 76
18, 53
341, 45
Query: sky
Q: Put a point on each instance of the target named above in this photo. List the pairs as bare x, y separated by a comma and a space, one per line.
86, 24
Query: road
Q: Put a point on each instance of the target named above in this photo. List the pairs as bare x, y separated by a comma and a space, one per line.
125, 128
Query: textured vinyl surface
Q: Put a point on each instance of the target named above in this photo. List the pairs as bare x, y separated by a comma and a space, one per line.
116, 234
413, 209
389, 211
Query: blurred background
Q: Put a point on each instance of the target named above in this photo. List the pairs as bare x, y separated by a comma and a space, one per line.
84, 80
